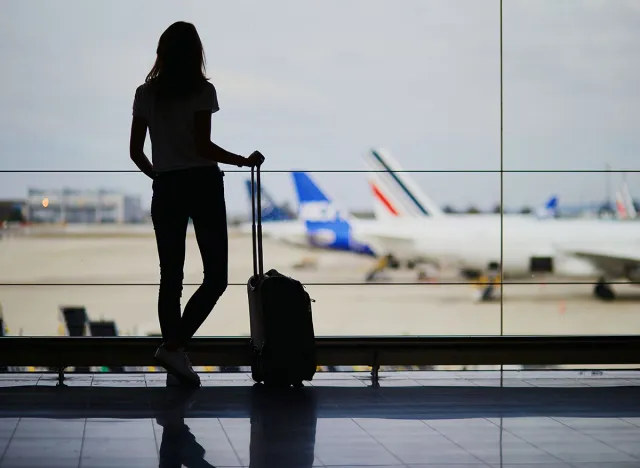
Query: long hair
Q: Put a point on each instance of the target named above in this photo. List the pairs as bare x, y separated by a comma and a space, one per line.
180, 66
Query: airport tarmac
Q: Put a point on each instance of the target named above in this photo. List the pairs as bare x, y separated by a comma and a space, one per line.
115, 278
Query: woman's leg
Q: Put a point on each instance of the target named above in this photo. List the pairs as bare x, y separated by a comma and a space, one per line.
208, 212
170, 220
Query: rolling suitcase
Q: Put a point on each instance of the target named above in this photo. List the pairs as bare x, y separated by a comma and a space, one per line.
282, 335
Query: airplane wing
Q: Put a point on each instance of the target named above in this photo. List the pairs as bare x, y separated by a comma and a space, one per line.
613, 262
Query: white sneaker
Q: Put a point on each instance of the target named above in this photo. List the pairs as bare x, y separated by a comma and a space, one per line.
177, 363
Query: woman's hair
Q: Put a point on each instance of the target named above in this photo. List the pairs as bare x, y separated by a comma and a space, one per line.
179, 69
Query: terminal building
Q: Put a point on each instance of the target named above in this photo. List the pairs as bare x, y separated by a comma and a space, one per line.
82, 206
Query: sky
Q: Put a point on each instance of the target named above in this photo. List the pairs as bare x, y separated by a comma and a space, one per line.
314, 85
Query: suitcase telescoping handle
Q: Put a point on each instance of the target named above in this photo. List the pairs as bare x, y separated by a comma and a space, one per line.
256, 228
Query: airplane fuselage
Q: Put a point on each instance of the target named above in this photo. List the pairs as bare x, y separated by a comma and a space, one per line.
331, 235
529, 246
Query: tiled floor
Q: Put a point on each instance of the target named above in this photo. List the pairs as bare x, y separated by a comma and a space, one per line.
417, 419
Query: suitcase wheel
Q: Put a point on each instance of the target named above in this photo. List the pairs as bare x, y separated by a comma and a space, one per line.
257, 376
257, 373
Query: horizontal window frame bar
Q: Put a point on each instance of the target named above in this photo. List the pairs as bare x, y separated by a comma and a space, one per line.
61, 352
338, 171
357, 283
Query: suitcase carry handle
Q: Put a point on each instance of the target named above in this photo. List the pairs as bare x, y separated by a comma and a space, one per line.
256, 229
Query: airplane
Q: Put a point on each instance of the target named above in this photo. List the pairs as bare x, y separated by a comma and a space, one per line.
550, 208
326, 225
625, 208
277, 224
530, 246
396, 194
328, 229
322, 224
270, 209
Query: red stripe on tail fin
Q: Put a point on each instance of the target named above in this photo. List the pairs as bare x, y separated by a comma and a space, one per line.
380, 196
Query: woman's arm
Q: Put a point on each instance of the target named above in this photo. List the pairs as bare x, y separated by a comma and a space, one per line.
136, 146
209, 150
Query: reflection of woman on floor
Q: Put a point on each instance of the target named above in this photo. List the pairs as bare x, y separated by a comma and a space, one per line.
179, 446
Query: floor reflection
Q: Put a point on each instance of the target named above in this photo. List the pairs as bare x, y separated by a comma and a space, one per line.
434, 420
179, 446
283, 429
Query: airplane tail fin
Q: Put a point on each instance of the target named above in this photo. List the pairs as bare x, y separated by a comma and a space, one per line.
628, 202
270, 210
621, 208
395, 193
550, 208
326, 226
313, 203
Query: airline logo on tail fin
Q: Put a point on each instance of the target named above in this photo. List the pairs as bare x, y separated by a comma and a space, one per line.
325, 225
314, 205
270, 210
395, 192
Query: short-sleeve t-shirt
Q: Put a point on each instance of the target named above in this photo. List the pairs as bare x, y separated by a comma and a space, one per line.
171, 126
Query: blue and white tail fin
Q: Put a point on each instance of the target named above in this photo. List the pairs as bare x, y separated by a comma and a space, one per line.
550, 208
313, 204
325, 225
270, 210
395, 193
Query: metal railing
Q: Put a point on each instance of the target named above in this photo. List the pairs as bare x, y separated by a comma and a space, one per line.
62, 352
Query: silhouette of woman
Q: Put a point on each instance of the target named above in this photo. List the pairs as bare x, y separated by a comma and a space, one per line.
175, 103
